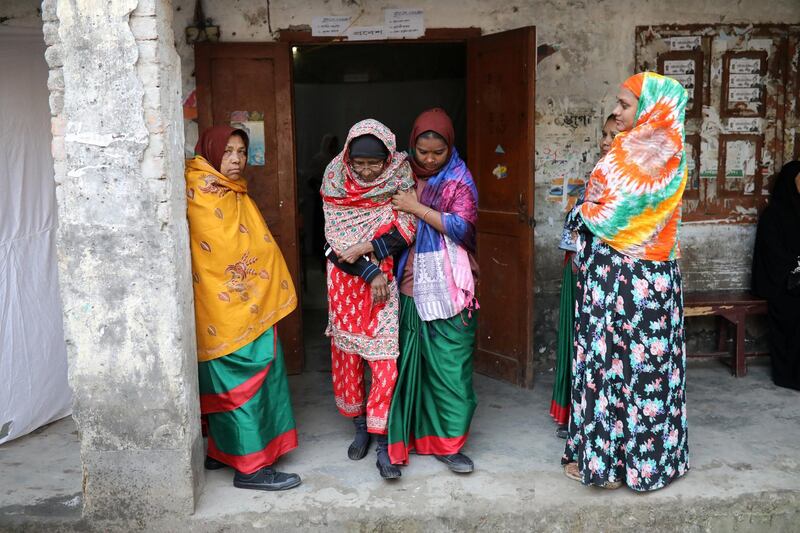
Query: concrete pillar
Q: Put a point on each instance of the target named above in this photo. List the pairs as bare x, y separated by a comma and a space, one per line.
123, 254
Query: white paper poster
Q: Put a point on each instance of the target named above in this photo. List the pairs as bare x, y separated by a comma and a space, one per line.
678, 66
740, 159
686, 42
744, 80
748, 94
744, 125
366, 33
404, 23
745, 65
330, 26
687, 80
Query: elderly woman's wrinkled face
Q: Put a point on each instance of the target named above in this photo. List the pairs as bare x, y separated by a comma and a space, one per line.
625, 110
609, 132
367, 168
430, 153
234, 159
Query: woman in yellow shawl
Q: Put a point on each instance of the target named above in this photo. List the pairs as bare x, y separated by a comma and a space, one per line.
242, 288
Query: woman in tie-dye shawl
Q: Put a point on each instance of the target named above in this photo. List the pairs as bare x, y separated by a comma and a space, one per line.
628, 420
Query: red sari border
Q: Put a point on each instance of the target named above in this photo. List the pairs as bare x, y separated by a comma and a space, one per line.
559, 413
431, 445
234, 398
247, 464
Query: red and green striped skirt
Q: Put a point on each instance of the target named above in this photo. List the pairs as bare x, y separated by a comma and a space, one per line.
434, 400
245, 399
562, 386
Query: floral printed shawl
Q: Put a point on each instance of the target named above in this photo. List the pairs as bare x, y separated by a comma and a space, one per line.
357, 211
633, 199
241, 284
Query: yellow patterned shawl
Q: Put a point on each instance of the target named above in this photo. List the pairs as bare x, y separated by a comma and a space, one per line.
241, 283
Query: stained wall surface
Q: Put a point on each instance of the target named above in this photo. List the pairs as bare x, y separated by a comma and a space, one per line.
586, 49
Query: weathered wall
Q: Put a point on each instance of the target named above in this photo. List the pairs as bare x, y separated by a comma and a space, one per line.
594, 51
123, 253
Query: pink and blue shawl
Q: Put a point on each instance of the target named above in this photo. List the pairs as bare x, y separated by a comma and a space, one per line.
443, 281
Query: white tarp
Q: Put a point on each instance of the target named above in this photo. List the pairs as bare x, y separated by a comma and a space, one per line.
33, 360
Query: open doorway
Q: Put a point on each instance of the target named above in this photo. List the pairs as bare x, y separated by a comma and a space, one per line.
337, 85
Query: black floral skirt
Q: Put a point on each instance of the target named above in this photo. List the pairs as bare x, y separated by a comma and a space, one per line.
628, 392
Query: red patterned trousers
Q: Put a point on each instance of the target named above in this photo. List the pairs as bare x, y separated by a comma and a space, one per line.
349, 390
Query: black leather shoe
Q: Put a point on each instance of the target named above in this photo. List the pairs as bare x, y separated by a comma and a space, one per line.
266, 479
384, 464
562, 432
213, 464
458, 462
360, 445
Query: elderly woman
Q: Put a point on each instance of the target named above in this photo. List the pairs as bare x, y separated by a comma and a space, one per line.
434, 403
242, 288
776, 274
628, 418
363, 231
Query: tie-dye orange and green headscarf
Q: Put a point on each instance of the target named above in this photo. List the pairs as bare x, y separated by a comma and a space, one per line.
633, 199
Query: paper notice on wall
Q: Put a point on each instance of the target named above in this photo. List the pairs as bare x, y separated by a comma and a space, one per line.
744, 65
760, 44
744, 125
740, 159
252, 122
366, 33
687, 80
744, 80
674, 67
745, 94
330, 26
685, 42
404, 23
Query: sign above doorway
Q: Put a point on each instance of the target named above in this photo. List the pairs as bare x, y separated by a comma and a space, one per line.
397, 24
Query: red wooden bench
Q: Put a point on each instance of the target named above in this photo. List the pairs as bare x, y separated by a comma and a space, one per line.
731, 309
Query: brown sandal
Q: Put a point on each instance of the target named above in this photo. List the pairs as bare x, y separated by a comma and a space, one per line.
572, 471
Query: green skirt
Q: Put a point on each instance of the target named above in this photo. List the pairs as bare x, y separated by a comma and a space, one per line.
245, 399
562, 386
434, 400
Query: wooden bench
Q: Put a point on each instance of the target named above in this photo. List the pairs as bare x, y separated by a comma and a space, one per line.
731, 309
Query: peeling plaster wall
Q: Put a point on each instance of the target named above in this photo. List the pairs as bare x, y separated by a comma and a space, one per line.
592, 50
123, 254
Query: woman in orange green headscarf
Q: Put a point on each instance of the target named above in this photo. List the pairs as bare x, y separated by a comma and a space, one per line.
242, 288
628, 422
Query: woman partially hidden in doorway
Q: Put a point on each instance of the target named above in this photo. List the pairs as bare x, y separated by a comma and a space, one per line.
362, 232
565, 353
242, 288
776, 274
434, 401
628, 421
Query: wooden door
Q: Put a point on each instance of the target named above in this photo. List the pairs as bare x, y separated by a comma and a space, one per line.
501, 71
257, 78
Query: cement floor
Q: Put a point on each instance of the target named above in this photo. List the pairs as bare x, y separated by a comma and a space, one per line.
743, 439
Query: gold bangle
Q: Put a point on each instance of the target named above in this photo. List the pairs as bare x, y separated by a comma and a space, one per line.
426, 214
